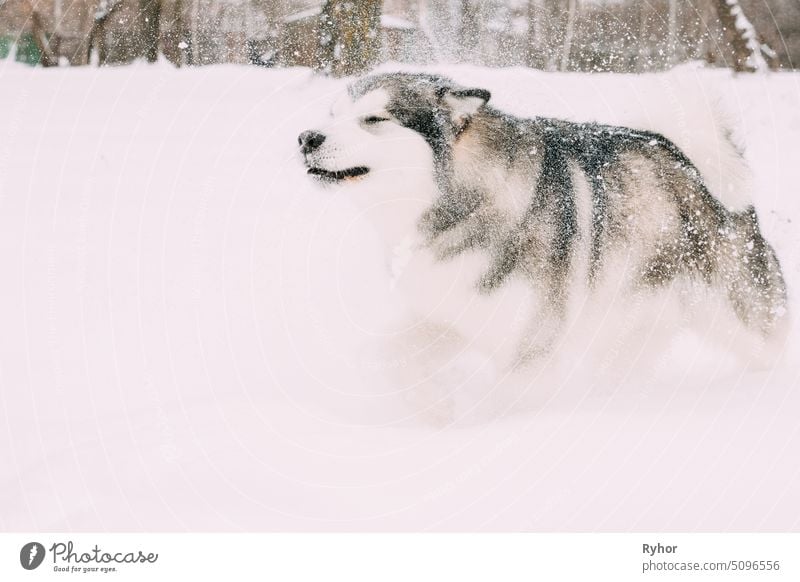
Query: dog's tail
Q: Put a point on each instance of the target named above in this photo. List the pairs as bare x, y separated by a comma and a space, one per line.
754, 279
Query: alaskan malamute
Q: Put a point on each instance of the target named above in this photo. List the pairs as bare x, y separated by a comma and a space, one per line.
509, 230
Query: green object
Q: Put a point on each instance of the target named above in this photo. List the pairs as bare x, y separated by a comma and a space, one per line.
27, 50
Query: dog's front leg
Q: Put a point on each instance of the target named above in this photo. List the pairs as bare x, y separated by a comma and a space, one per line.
440, 376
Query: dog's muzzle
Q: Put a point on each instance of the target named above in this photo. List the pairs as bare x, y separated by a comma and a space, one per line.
309, 142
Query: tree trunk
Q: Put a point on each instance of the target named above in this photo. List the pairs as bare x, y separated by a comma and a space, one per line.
552, 37
566, 48
531, 48
468, 31
741, 36
97, 35
151, 10
672, 32
424, 19
350, 36
47, 57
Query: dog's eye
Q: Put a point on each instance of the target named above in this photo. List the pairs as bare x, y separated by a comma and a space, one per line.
373, 119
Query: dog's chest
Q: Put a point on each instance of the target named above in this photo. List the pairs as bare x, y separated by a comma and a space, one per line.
445, 291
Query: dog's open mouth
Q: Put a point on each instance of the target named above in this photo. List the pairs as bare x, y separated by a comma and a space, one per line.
338, 175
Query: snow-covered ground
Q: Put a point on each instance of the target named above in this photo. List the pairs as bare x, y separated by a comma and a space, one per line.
187, 326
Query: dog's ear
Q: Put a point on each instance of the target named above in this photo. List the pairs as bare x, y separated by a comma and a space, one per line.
464, 103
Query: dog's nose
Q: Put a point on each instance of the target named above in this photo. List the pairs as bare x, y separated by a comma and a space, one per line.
310, 140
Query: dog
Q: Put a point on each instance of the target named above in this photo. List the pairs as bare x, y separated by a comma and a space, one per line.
506, 231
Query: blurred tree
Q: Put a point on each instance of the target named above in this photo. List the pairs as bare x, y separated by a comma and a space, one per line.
151, 13
643, 61
672, 24
349, 40
551, 33
780, 20
469, 31
547, 23
47, 56
745, 42
532, 36
348, 36
569, 34
97, 36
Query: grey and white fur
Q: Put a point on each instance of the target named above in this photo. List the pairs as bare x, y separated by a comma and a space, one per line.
507, 229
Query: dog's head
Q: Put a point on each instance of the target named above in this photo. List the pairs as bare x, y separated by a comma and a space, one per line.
389, 124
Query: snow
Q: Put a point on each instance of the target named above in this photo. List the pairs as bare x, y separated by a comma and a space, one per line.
189, 325
303, 14
390, 21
